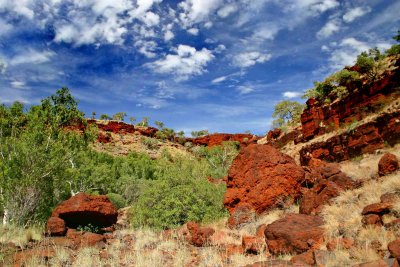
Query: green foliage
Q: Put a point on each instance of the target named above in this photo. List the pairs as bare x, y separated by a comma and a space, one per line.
179, 195
120, 116
287, 112
345, 77
144, 122
132, 119
149, 142
199, 133
42, 164
88, 228
118, 200
105, 117
166, 134
219, 157
36, 153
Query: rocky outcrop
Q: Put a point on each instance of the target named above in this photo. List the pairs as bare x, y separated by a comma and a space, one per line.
218, 138
329, 183
366, 138
294, 233
262, 178
388, 164
82, 210
319, 118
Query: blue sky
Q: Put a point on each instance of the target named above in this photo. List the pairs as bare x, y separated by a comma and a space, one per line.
219, 65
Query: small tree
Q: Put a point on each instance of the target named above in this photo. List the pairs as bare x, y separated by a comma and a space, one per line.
119, 116
93, 115
159, 124
287, 112
105, 117
199, 133
144, 122
132, 120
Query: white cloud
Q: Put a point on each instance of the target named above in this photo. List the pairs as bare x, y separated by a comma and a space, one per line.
227, 10
195, 11
249, 59
219, 79
5, 27
185, 63
32, 57
346, 52
3, 66
18, 84
151, 19
193, 31
291, 94
146, 48
330, 28
244, 89
105, 21
168, 35
355, 13
21, 7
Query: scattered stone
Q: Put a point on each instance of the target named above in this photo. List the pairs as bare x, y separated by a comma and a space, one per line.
330, 182
56, 226
345, 243
253, 244
390, 198
388, 164
196, 235
304, 258
294, 233
241, 216
372, 219
263, 178
378, 263
377, 208
394, 248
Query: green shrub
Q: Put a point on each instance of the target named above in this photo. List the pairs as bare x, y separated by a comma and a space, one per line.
118, 200
169, 203
220, 157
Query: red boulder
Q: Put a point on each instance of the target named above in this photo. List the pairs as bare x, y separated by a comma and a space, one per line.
295, 233
263, 178
83, 209
388, 164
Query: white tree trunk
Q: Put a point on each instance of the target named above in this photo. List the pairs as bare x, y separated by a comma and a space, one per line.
5, 217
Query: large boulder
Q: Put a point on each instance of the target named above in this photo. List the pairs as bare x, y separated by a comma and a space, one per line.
83, 210
388, 164
262, 178
294, 233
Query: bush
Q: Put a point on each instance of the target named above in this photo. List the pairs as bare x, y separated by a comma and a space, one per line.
219, 157
118, 200
169, 203
180, 194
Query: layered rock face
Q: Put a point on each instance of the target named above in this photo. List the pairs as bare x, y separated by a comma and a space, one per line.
318, 119
367, 138
82, 210
262, 178
218, 138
